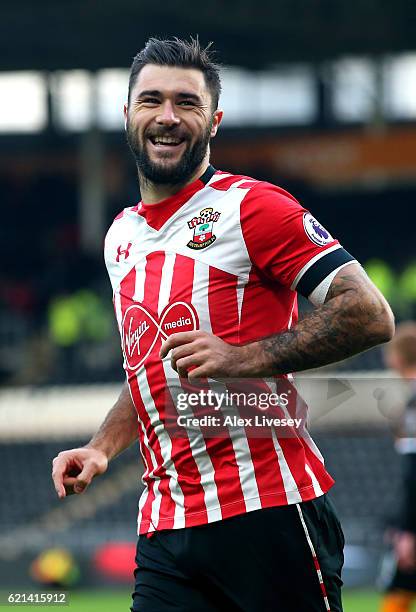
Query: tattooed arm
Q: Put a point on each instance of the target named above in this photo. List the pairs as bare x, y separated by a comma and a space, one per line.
354, 317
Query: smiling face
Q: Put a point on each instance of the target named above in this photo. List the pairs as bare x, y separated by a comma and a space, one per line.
169, 123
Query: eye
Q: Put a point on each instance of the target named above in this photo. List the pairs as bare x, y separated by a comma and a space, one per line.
186, 103
149, 101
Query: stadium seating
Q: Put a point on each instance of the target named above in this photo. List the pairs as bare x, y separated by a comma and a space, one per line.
364, 464
367, 473
30, 493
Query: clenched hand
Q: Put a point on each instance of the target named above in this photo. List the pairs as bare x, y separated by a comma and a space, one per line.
197, 354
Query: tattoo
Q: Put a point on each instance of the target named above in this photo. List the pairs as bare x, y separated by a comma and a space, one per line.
354, 318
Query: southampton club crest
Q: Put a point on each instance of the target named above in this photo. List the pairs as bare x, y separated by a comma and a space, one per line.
203, 229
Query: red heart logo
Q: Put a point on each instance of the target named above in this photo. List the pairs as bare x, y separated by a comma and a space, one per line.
141, 329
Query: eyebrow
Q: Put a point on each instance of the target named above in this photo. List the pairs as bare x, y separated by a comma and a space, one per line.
189, 95
148, 92
183, 94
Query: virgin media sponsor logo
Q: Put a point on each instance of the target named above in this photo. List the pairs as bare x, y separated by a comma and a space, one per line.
178, 324
142, 328
133, 337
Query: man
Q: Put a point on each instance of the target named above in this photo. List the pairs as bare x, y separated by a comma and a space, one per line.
401, 590
205, 271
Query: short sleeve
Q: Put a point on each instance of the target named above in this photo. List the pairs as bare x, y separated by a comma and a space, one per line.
286, 242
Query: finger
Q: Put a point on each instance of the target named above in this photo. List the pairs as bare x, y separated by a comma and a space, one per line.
196, 373
69, 485
182, 366
85, 476
175, 340
181, 352
59, 468
60, 490
182, 372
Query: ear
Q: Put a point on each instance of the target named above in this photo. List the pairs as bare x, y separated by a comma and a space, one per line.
216, 120
125, 112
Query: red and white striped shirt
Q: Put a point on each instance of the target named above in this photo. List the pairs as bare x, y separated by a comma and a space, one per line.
226, 255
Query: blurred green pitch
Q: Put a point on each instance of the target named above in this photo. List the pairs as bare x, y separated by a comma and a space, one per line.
119, 601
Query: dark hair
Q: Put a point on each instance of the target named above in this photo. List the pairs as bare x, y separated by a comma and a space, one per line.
180, 53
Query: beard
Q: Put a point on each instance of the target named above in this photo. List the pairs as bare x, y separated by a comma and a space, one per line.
168, 174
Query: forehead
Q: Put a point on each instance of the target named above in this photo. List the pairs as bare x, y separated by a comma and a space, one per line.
170, 80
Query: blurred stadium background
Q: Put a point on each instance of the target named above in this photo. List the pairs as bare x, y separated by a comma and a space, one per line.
320, 98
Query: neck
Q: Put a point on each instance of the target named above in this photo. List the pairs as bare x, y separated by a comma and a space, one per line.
153, 193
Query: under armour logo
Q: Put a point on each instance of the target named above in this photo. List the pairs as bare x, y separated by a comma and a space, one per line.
121, 251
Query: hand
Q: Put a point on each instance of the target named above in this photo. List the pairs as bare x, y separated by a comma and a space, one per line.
197, 354
73, 470
405, 548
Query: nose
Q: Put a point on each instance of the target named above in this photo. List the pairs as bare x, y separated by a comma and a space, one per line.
167, 114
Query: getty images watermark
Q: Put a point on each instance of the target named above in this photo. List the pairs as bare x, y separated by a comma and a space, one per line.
219, 409
285, 409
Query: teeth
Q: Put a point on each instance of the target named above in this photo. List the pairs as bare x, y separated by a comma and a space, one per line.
166, 140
